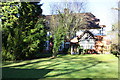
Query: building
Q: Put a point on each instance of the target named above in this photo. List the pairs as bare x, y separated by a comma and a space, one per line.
85, 37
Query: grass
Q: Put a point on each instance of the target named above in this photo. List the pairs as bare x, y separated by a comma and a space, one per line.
67, 66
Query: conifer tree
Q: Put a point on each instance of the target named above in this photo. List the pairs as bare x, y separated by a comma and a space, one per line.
23, 31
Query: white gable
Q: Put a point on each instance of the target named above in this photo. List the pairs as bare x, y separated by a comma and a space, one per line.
87, 41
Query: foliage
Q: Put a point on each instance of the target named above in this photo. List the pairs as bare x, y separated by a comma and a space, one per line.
116, 53
115, 38
59, 35
115, 50
23, 31
71, 21
10, 34
64, 25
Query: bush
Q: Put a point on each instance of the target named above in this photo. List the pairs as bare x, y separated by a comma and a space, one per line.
116, 53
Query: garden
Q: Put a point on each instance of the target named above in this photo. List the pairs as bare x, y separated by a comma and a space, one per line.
65, 66
25, 35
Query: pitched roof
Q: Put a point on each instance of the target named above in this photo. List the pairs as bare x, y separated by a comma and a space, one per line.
76, 39
91, 22
86, 31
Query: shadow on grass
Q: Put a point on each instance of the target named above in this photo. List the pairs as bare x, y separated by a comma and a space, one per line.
27, 63
86, 79
73, 70
45, 67
67, 62
8, 73
6, 63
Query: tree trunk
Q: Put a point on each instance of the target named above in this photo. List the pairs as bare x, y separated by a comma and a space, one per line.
54, 55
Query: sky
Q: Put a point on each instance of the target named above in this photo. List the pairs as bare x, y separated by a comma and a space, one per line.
102, 9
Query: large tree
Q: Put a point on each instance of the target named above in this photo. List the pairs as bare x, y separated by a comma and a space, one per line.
23, 31
69, 12
64, 22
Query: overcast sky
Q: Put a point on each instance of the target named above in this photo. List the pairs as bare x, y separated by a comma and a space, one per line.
100, 8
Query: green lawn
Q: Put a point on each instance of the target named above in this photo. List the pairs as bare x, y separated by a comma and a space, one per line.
67, 66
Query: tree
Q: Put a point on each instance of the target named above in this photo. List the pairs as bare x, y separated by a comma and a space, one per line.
65, 22
23, 31
9, 21
33, 27
70, 13
116, 30
59, 32
115, 47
